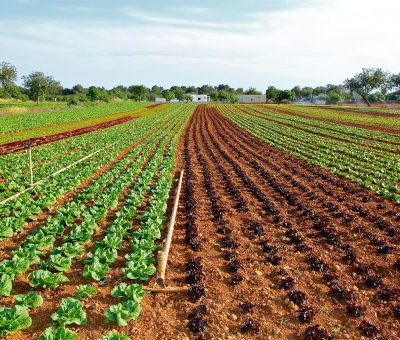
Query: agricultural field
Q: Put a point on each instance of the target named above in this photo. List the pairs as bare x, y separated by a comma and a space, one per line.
287, 225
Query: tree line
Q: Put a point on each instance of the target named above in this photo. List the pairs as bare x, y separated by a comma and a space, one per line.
370, 85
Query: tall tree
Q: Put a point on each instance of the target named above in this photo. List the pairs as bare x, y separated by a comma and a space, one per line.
8, 76
168, 95
223, 96
191, 90
179, 93
138, 91
205, 89
272, 93
98, 94
157, 89
252, 91
366, 81
297, 92
319, 90
78, 89
395, 81
306, 91
233, 98
285, 96
40, 85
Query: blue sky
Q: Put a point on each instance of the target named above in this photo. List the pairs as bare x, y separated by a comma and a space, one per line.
241, 42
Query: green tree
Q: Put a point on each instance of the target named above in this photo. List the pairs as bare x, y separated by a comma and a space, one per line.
168, 95
188, 97
252, 91
214, 96
225, 88
232, 98
334, 97
395, 81
8, 76
366, 81
98, 94
206, 89
192, 90
179, 93
376, 97
306, 91
239, 90
272, 93
139, 92
319, 90
223, 96
156, 90
297, 92
78, 89
120, 91
285, 96
40, 86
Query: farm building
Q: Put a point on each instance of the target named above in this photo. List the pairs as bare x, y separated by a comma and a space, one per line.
249, 98
160, 100
200, 98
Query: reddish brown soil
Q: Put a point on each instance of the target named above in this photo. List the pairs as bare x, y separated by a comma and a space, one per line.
358, 125
20, 145
166, 316
152, 106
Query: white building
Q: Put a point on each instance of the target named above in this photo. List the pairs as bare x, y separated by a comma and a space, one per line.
160, 100
250, 98
200, 98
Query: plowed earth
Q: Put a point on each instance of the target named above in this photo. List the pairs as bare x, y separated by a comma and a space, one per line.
257, 217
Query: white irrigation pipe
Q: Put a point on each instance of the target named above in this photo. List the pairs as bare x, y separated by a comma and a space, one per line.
56, 173
163, 254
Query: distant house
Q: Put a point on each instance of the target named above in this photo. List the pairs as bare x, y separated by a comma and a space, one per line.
200, 98
250, 98
160, 100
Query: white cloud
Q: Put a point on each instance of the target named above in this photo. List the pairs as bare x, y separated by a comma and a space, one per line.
316, 43
153, 19
188, 9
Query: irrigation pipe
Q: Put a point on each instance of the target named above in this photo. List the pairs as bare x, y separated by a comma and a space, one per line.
163, 254
56, 173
